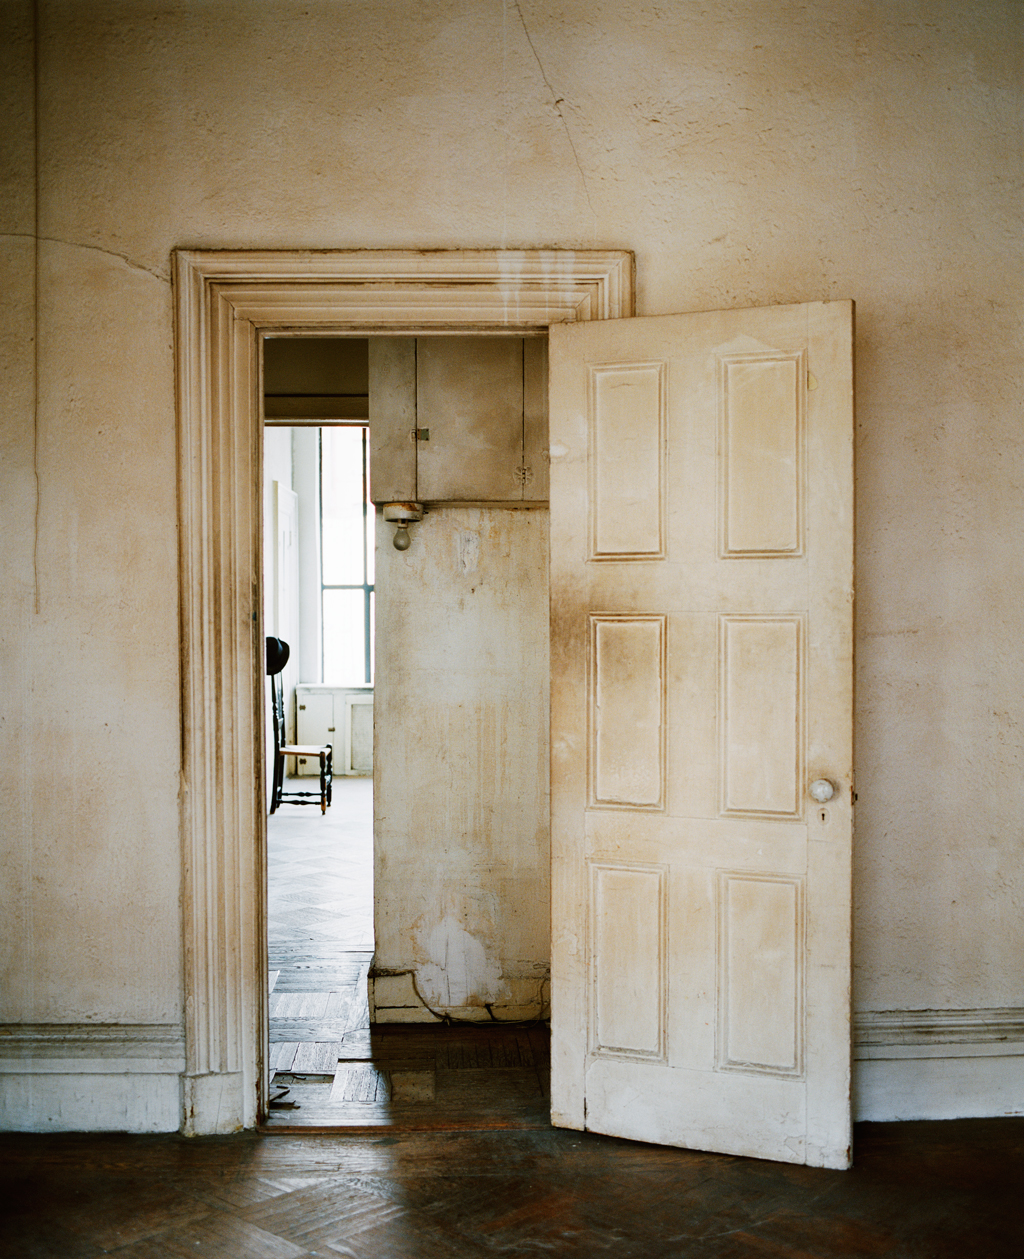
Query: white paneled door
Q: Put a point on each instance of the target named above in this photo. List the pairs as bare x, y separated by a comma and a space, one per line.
701, 588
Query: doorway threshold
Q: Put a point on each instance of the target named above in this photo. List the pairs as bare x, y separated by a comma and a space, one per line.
416, 1078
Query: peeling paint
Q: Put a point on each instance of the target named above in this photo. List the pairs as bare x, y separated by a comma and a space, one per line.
459, 972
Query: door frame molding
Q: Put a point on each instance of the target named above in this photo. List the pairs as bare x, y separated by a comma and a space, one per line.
225, 301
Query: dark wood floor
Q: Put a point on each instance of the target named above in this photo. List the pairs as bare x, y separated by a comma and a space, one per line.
427, 1078
935, 1190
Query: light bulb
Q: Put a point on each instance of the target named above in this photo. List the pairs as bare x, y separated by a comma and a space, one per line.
401, 538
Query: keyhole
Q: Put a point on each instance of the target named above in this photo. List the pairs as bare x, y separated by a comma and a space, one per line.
823, 815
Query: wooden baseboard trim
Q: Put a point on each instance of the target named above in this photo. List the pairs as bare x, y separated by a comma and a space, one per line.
939, 1033
92, 1047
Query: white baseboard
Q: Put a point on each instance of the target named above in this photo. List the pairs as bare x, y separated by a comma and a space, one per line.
90, 1077
938, 1064
908, 1064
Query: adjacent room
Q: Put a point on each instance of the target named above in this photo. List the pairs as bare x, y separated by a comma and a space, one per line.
458, 785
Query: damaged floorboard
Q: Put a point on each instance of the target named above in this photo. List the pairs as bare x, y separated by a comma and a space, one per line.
412, 1078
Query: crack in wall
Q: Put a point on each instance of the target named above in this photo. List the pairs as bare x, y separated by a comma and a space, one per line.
74, 244
558, 101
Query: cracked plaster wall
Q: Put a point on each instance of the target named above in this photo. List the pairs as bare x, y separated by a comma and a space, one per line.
748, 153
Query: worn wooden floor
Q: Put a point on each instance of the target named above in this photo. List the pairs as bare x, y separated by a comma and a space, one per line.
330, 1069
935, 1191
320, 944
416, 1077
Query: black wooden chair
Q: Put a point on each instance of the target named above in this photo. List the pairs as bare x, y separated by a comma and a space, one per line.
278, 652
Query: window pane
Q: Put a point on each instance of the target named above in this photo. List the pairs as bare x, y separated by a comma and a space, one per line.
371, 541
341, 454
371, 518
344, 644
373, 638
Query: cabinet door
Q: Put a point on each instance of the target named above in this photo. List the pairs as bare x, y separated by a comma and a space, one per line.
469, 395
316, 725
459, 419
359, 716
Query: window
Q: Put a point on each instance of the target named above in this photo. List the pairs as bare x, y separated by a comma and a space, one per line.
346, 556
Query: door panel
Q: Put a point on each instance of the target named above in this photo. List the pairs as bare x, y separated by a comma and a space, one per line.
627, 923
627, 702
701, 585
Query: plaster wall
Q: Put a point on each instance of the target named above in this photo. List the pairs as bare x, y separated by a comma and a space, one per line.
461, 833
748, 153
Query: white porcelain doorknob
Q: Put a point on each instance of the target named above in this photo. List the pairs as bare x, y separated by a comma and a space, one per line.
822, 790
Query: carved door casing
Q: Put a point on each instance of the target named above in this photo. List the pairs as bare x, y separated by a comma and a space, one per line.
701, 586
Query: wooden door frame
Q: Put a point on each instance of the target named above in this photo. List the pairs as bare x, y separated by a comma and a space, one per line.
225, 301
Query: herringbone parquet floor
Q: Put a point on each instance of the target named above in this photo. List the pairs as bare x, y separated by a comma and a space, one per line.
320, 944
917, 1191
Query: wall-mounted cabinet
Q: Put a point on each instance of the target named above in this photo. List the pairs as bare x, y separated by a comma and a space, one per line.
341, 716
458, 419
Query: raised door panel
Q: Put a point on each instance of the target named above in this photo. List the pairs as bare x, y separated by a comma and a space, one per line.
761, 405
627, 705
626, 460
760, 974
761, 727
627, 951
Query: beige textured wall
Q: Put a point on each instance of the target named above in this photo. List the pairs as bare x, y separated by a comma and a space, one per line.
17, 504
461, 765
748, 153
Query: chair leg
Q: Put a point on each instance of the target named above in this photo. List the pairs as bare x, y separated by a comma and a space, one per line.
323, 782
277, 788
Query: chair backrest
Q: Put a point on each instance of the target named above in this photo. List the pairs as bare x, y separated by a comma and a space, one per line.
277, 704
278, 652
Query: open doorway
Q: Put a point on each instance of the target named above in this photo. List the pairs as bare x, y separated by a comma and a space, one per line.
226, 302
318, 598
464, 779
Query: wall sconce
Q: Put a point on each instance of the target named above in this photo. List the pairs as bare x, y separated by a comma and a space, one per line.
402, 515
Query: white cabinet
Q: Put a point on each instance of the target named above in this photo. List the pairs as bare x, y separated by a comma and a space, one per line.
341, 716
